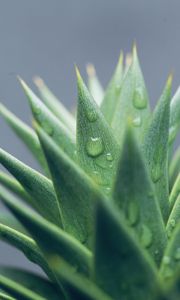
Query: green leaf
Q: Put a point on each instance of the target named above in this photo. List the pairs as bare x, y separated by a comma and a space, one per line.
76, 192
49, 122
122, 268
96, 147
14, 186
174, 125
132, 103
111, 97
4, 296
9, 220
77, 286
94, 85
17, 290
33, 282
175, 192
171, 260
55, 105
174, 217
40, 188
174, 168
26, 134
25, 244
134, 195
156, 149
52, 240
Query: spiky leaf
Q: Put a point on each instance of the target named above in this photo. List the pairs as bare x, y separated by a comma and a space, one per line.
174, 117
94, 85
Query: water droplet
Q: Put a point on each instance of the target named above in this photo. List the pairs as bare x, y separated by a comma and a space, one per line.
137, 122
156, 252
94, 146
177, 254
173, 222
91, 115
155, 173
37, 110
118, 87
146, 236
132, 213
109, 157
139, 99
48, 129
97, 178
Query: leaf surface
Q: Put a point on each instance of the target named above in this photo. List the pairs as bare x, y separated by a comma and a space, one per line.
94, 85
174, 125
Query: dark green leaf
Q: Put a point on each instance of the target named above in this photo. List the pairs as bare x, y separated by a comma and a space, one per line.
17, 290
26, 134
134, 195
4, 296
122, 268
96, 146
132, 103
94, 85
76, 192
111, 97
52, 240
49, 122
55, 105
33, 282
40, 188
9, 220
156, 149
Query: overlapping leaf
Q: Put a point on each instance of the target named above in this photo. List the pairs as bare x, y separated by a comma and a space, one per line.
94, 85
156, 149
134, 195
174, 168
40, 188
174, 125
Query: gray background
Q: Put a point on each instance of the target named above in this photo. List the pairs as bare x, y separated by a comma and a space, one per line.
47, 37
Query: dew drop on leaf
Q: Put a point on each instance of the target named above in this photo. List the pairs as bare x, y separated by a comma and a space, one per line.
146, 236
155, 173
91, 115
37, 110
137, 122
109, 157
94, 146
139, 99
132, 213
48, 128
177, 254
166, 260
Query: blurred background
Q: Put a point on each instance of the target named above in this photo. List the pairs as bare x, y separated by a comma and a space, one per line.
47, 37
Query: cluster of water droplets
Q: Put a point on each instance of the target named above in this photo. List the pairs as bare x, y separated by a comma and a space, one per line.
139, 102
171, 227
43, 120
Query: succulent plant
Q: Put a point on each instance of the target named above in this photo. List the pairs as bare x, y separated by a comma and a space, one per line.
102, 220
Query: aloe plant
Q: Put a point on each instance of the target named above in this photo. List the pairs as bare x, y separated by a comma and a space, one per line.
102, 219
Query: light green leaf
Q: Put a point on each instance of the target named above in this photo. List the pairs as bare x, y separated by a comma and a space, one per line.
156, 149
174, 125
174, 217
14, 186
55, 105
26, 134
25, 244
132, 103
171, 260
77, 204
134, 195
33, 282
40, 188
175, 192
77, 286
17, 290
94, 85
96, 147
174, 168
49, 122
4, 296
122, 268
111, 97
52, 240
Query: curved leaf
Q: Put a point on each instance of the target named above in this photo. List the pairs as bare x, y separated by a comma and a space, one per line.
96, 146
26, 134
52, 240
94, 85
174, 218
122, 268
4, 296
134, 195
9, 220
156, 149
55, 105
77, 204
174, 125
174, 168
17, 290
175, 192
132, 102
49, 122
40, 188
111, 97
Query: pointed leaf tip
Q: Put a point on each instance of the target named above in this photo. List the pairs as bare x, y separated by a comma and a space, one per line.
90, 69
78, 75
